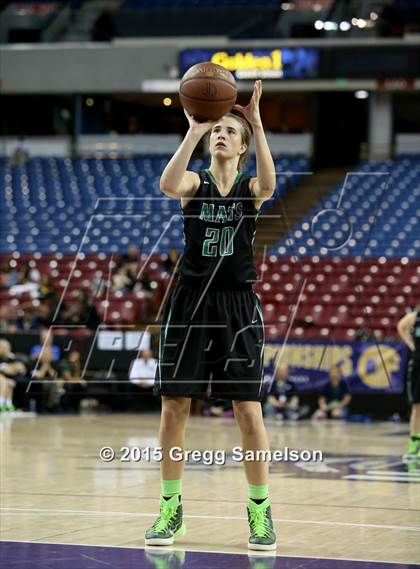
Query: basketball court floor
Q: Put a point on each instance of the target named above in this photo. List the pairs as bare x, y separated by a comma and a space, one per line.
62, 506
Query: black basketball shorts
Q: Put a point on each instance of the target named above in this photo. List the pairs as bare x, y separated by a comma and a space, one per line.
413, 380
211, 345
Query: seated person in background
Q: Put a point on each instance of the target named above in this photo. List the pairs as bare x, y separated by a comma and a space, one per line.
12, 372
8, 276
217, 408
132, 256
45, 340
282, 400
171, 260
142, 376
27, 281
72, 385
28, 319
143, 369
83, 312
44, 387
121, 280
335, 397
7, 387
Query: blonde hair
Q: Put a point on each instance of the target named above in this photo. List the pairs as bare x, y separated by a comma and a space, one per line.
246, 135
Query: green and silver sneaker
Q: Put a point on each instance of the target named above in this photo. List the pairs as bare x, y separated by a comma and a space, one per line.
413, 452
168, 525
261, 525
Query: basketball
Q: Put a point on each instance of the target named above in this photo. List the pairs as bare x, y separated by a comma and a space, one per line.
207, 91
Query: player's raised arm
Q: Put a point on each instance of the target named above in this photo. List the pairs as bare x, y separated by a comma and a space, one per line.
264, 184
176, 180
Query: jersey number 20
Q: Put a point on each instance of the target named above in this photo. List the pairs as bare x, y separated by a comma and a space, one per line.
222, 240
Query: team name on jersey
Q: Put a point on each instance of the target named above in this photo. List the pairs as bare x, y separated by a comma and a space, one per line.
220, 213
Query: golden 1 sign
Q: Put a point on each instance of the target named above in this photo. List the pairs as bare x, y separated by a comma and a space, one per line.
248, 65
264, 63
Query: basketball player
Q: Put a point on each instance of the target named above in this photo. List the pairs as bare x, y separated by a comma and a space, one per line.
212, 336
409, 330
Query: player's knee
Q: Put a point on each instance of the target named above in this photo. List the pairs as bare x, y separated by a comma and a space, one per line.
174, 413
249, 421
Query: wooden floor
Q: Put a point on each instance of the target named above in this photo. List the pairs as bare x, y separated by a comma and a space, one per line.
360, 503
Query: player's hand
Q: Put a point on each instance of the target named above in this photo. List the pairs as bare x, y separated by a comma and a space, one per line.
252, 111
200, 128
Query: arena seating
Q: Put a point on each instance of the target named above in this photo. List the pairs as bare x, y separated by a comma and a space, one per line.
133, 4
372, 213
309, 297
49, 204
308, 291
232, 19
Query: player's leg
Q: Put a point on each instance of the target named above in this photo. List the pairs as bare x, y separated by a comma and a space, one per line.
248, 415
10, 386
173, 424
413, 390
3, 381
413, 449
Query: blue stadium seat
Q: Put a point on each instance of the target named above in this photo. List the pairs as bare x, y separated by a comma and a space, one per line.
61, 205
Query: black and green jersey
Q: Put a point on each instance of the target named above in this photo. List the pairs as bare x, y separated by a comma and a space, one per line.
219, 233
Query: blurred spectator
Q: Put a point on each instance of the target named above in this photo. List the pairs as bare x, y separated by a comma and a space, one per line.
132, 256
46, 340
44, 387
143, 370
83, 312
12, 372
282, 400
217, 408
73, 385
171, 260
29, 274
20, 154
28, 281
8, 276
335, 397
28, 319
5, 324
142, 377
121, 280
46, 288
364, 335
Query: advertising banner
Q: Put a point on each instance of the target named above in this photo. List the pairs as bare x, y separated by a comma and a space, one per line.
366, 367
280, 63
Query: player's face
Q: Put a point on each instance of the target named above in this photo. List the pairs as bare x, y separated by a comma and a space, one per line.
226, 139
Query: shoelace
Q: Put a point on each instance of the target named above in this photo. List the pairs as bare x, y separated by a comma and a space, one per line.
164, 518
259, 523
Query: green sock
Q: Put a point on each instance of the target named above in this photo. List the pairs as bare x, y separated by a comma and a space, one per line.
169, 488
258, 493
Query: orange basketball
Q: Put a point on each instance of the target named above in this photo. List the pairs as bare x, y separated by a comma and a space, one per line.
207, 91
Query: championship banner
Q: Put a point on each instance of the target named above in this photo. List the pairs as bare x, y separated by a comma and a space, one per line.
280, 63
366, 367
